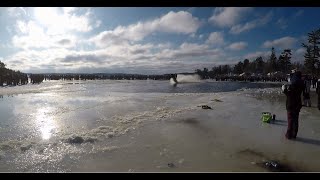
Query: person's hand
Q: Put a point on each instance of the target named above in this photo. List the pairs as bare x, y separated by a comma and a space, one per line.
284, 87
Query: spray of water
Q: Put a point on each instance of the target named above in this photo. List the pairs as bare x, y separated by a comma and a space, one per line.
186, 78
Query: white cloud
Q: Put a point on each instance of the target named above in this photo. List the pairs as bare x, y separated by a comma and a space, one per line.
228, 16
237, 29
174, 22
69, 10
300, 51
50, 28
298, 55
254, 55
215, 38
59, 23
35, 37
179, 22
190, 50
137, 57
283, 43
16, 11
238, 46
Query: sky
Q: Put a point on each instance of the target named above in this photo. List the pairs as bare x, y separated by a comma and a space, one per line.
148, 40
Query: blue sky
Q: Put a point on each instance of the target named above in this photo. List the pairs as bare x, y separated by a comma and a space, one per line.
148, 40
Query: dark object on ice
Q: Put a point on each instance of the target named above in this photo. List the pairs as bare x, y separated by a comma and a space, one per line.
171, 165
217, 100
275, 166
205, 107
274, 117
25, 147
75, 140
271, 164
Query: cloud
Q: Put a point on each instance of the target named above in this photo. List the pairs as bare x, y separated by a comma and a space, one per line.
283, 43
228, 16
93, 58
298, 55
181, 22
254, 55
57, 20
237, 29
59, 23
186, 23
69, 10
215, 38
300, 51
189, 51
38, 39
238, 46
282, 23
64, 41
52, 27
32, 35
16, 11
159, 58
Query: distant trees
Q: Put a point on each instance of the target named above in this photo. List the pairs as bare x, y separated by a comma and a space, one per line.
284, 61
312, 55
272, 63
11, 77
283, 64
257, 66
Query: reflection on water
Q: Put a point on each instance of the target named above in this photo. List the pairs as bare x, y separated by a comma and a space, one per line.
45, 122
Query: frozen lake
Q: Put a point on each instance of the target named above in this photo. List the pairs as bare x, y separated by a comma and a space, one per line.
62, 126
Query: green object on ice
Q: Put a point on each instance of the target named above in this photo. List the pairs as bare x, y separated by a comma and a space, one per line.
266, 117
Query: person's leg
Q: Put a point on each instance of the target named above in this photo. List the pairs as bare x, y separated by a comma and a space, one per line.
304, 100
309, 102
295, 124
319, 101
289, 129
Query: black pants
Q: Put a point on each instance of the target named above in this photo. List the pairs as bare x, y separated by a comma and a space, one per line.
293, 124
306, 99
319, 101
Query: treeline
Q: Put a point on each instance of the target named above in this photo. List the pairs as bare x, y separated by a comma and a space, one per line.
273, 66
102, 76
10, 77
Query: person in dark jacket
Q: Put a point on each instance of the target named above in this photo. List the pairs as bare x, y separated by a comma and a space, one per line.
306, 92
314, 82
318, 92
293, 92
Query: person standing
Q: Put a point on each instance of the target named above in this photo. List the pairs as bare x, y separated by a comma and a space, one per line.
293, 92
314, 82
318, 92
306, 91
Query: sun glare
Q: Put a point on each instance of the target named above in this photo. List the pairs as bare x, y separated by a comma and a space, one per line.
45, 122
52, 19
